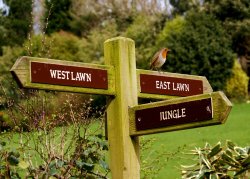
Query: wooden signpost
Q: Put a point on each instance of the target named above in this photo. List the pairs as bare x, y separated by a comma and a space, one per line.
196, 106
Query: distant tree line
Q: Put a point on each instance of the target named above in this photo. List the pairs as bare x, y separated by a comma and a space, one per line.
205, 36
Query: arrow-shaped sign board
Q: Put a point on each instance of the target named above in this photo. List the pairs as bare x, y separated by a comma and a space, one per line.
163, 85
48, 74
180, 113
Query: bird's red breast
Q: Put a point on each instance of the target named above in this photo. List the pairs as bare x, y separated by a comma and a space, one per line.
159, 58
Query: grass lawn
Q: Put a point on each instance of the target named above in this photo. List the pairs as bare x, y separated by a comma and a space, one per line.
236, 129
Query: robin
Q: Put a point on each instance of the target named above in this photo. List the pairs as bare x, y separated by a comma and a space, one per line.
159, 58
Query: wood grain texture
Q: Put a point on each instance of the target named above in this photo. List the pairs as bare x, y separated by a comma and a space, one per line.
124, 150
22, 73
221, 109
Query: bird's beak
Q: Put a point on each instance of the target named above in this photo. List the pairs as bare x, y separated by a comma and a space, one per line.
169, 50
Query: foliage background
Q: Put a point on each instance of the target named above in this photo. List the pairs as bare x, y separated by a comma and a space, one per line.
206, 38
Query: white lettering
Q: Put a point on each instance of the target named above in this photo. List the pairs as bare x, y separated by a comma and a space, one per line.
183, 111
77, 77
173, 114
67, 72
81, 76
72, 76
58, 74
180, 87
53, 73
174, 87
157, 84
88, 77
186, 87
162, 84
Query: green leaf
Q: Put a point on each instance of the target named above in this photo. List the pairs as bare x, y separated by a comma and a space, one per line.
23, 164
246, 161
230, 161
100, 136
12, 160
230, 145
206, 161
52, 164
60, 163
104, 165
189, 167
240, 151
53, 171
79, 164
207, 146
229, 152
213, 176
2, 143
241, 171
88, 166
215, 150
104, 145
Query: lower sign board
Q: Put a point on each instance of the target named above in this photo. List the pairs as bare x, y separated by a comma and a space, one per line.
174, 114
180, 113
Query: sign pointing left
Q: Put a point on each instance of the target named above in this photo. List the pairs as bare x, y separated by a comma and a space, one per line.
48, 74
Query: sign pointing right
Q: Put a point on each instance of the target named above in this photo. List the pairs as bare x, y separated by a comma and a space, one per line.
164, 85
181, 113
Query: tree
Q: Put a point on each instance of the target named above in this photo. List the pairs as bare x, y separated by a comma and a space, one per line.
228, 10
15, 26
57, 11
199, 46
180, 7
235, 16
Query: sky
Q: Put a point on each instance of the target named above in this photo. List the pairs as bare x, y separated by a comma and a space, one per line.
4, 7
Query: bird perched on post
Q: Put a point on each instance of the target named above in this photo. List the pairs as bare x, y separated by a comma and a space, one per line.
159, 58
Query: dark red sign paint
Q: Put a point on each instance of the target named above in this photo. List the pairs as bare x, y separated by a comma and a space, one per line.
68, 75
174, 114
170, 85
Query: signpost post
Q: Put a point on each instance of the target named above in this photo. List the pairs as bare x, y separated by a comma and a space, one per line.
123, 84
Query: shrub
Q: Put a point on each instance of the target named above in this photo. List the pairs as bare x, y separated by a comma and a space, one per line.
230, 161
237, 84
74, 150
61, 45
